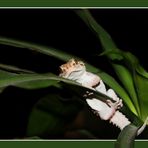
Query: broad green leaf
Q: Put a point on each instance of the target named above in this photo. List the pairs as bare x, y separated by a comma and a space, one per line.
137, 121
127, 80
31, 81
119, 90
36, 84
37, 48
109, 46
140, 77
50, 116
125, 73
34, 81
142, 71
5, 75
142, 91
126, 137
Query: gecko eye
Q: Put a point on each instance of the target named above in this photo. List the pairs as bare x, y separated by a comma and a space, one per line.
81, 63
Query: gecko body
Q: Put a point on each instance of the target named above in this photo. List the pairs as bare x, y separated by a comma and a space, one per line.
76, 70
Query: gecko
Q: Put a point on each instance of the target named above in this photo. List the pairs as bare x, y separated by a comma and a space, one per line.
76, 70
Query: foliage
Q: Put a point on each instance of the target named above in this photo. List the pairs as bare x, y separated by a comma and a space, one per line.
52, 114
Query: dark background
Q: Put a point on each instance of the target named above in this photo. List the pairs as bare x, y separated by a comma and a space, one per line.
64, 30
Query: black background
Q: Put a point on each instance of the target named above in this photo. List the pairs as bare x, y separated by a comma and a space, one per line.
64, 30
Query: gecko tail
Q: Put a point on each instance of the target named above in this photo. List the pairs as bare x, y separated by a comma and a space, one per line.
141, 129
120, 120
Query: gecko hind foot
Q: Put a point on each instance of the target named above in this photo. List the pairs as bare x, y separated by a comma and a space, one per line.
88, 94
116, 105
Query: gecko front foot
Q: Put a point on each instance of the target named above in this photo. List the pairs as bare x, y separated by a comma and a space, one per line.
88, 95
116, 105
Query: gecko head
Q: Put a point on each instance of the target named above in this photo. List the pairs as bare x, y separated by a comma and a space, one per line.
72, 69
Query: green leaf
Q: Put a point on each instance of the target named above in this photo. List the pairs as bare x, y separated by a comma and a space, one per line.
110, 47
125, 74
34, 81
140, 80
126, 137
5, 75
37, 48
30, 81
119, 90
142, 91
127, 80
23, 80
50, 116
